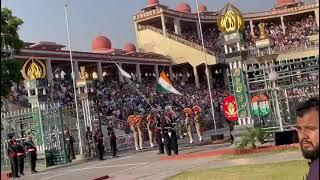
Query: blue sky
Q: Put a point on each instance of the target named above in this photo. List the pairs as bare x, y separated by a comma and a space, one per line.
44, 20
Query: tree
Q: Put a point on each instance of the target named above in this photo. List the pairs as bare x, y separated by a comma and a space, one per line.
10, 41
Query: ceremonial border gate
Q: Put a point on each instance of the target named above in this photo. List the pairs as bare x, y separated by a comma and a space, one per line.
48, 133
297, 80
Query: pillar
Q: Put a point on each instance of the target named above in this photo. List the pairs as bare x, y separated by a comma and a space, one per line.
171, 73
100, 75
49, 70
120, 75
196, 78
177, 26
163, 22
76, 70
251, 28
316, 15
156, 72
283, 26
198, 30
138, 72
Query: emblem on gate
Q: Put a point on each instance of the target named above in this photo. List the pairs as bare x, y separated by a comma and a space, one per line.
230, 19
33, 69
230, 108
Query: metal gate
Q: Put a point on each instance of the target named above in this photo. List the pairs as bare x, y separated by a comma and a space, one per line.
53, 135
45, 123
297, 80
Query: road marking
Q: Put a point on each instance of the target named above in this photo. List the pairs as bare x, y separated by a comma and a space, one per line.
111, 160
143, 164
87, 168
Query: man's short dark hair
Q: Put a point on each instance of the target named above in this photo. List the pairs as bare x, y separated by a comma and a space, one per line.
310, 104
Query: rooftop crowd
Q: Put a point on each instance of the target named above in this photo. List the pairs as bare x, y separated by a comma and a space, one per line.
295, 36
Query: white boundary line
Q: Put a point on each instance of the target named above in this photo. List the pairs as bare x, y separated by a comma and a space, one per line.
74, 170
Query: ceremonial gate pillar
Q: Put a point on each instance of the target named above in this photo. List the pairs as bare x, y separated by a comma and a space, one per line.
231, 25
48, 126
86, 96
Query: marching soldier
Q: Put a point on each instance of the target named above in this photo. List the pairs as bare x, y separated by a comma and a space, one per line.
21, 156
133, 128
12, 154
138, 123
187, 123
98, 139
32, 151
113, 139
89, 141
158, 131
197, 120
151, 118
69, 141
169, 134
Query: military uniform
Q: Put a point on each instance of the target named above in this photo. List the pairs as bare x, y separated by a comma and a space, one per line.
169, 134
90, 143
138, 123
12, 154
113, 140
32, 151
69, 141
151, 118
159, 135
20, 156
98, 138
187, 123
197, 120
134, 129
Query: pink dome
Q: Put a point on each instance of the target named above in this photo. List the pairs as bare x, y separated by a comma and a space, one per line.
284, 2
153, 2
202, 8
129, 47
101, 43
183, 7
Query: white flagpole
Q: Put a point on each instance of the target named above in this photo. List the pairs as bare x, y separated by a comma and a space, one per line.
73, 78
207, 69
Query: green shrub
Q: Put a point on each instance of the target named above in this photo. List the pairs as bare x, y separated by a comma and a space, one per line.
253, 136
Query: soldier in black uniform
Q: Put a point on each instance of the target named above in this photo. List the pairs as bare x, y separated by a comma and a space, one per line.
158, 135
169, 136
21, 156
12, 154
69, 141
89, 140
32, 151
98, 139
113, 140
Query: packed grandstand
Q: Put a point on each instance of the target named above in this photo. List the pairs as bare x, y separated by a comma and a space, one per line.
292, 26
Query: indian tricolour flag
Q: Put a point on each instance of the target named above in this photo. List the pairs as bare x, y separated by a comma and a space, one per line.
165, 85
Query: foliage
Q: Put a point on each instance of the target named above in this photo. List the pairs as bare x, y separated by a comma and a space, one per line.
10, 70
10, 41
253, 136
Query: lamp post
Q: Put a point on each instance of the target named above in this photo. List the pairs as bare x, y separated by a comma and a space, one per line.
273, 77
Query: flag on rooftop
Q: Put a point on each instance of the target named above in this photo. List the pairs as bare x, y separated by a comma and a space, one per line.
165, 85
123, 72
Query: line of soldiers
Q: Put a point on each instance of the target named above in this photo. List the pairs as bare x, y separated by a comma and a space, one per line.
161, 128
95, 142
17, 151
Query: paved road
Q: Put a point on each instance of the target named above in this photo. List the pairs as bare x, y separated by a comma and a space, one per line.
146, 165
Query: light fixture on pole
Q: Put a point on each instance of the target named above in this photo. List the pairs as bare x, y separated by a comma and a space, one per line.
73, 78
